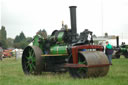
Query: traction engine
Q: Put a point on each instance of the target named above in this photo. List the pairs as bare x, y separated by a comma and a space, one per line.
65, 50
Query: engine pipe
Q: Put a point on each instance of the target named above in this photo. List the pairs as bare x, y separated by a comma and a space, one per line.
73, 21
117, 41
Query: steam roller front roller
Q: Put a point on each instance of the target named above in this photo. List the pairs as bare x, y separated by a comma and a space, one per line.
96, 63
32, 62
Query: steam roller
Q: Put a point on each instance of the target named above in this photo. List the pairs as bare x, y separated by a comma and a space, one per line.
65, 51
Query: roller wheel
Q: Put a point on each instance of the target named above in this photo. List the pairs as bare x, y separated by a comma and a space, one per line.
96, 59
126, 55
32, 62
117, 55
78, 72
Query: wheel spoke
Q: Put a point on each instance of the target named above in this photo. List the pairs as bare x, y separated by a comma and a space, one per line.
27, 66
30, 68
30, 63
27, 57
31, 53
33, 66
33, 60
81, 70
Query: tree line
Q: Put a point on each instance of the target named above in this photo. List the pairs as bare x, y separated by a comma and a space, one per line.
20, 41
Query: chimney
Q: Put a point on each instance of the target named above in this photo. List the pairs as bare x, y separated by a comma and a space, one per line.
73, 19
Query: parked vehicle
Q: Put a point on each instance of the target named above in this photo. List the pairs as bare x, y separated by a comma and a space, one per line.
7, 53
120, 50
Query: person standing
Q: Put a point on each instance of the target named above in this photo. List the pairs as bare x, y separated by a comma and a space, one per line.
109, 51
1, 53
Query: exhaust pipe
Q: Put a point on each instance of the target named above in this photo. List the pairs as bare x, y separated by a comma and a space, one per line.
117, 41
73, 19
73, 23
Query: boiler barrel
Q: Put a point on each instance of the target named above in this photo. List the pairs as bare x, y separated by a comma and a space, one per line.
58, 49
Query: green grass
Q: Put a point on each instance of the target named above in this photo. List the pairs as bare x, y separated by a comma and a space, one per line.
11, 74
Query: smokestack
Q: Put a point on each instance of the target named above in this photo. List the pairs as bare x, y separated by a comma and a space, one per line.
73, 19
117, 41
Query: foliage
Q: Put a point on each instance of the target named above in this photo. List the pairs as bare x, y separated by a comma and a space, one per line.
10, 42
12, 74
3, 43
22, 36
22, 44
3, 37
17, 39
3, 33
29, 39
21, 41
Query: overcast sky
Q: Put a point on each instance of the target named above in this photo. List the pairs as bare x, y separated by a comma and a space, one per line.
99, 16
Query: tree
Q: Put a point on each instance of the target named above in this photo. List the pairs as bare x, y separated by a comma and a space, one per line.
10, 42
21, 44
3, 37
22, 36
17, 39
3, 33
21, 41
29, 39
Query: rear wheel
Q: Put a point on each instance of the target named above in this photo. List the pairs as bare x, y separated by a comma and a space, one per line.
32, 62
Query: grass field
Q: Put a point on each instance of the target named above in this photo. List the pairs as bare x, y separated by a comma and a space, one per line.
11, 74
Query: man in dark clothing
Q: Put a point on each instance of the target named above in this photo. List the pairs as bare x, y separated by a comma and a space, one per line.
109, 51
1, 53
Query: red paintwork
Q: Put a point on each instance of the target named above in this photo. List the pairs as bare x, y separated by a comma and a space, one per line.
76, 48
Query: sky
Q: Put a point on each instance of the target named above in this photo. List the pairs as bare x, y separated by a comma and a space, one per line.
99, 16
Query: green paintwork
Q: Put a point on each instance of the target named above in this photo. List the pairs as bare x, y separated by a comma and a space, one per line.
60, 36
58, 49
31, 61
123, 49
35, 42
82, 69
